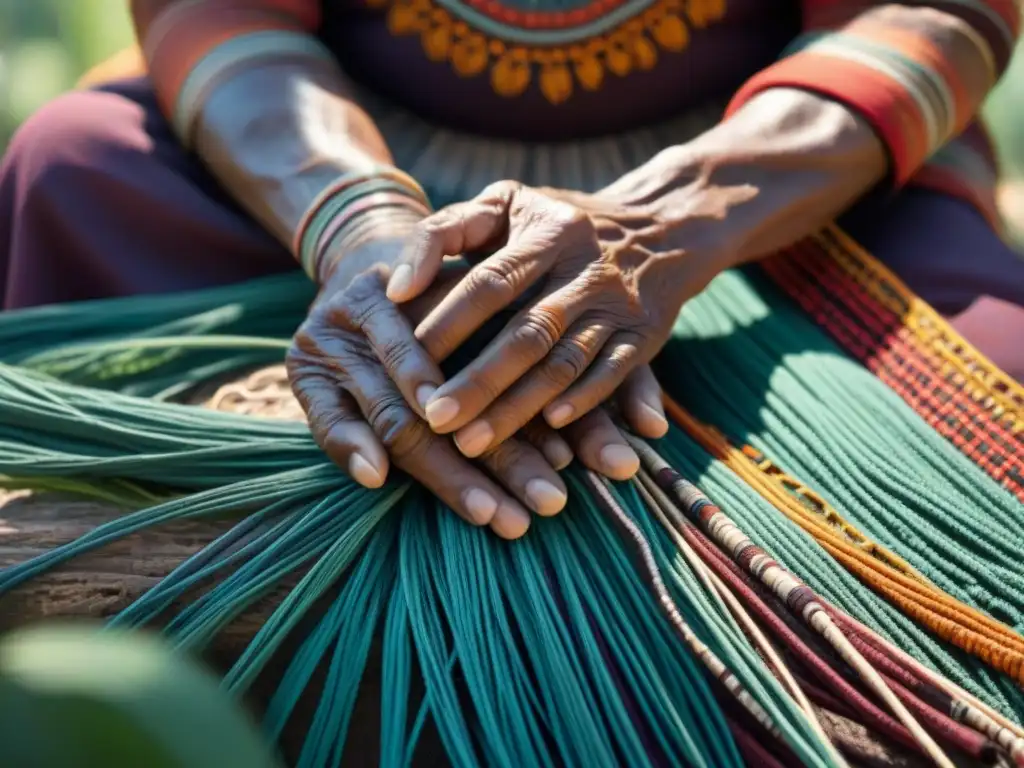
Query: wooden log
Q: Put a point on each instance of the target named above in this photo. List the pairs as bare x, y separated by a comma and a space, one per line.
101, 583
98, 584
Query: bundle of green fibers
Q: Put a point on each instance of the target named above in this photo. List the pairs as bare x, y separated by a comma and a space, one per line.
624, 631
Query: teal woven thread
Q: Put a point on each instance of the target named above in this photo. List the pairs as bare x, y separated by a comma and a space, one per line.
289, 550
805, 558
811, 419
336, 560
58, 340
362, 603
125, 438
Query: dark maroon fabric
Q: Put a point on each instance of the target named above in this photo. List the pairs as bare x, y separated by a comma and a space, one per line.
98, 199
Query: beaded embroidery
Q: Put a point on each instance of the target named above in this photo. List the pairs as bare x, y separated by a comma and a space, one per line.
576, 44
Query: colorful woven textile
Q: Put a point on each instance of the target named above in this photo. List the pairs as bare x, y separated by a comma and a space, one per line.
832, 528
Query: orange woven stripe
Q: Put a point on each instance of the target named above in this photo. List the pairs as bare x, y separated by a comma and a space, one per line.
922, 48
968, 628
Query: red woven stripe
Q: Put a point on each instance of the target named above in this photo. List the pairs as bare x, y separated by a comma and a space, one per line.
876, 336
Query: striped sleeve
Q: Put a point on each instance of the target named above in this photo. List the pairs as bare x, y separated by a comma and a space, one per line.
966, 168
192, 45
918, 72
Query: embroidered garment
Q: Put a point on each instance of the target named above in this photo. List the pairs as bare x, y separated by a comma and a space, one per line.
548, 72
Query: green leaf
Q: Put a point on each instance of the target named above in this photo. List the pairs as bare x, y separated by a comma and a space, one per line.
73, 698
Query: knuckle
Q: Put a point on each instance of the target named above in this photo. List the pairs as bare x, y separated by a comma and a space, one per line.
364, 287
482, 385
489, 285
505, 458
566, 216
573, 217
500, 190
341, 315
618, 365
400, 431
330, 435
363, 296
539, 331
395, 354
566, 362
433, 228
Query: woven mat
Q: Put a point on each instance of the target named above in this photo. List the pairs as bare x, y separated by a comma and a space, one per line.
264, 393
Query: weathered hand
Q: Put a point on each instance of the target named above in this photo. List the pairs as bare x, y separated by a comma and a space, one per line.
356, 367
612, 279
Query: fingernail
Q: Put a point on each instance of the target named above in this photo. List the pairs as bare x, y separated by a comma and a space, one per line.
474, 439
400, 282
442, 411
510, 522
546, 498
423, 394
559, 415
657, 422
480, 505
363, 472
558, 454
619, 461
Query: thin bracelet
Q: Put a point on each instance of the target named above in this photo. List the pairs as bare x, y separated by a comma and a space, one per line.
364, 204
347, 180
335, 207
336, 238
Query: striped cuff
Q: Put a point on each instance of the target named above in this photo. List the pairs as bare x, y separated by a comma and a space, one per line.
966, 168
898, 80
341, 202
232, 56
194, 45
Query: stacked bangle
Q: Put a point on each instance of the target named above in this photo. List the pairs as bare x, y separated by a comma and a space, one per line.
340, 203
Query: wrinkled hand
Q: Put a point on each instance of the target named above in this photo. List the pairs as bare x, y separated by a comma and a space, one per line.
611, 279
355, 367
364, 381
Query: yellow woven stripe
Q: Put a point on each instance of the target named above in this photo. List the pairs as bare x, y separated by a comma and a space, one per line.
817, 517
981, 379
882, 570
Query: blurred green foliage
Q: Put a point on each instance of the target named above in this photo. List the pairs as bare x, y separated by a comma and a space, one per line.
45, 45
79, 697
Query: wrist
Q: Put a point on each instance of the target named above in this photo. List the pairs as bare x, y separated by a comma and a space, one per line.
352, 208
780, 168
374, 240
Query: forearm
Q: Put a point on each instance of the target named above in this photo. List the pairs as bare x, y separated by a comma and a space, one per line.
249, 88
777, 170
916, 71
278, 135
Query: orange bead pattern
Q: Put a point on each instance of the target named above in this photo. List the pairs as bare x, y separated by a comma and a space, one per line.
558, 70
